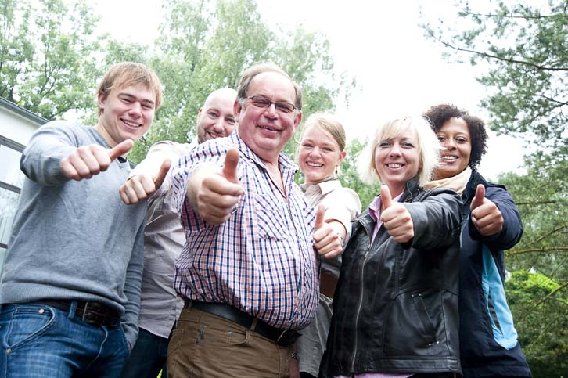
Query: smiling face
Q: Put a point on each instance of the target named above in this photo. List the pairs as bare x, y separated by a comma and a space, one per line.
216, 118
125, 113
397, 160
456, 148
319, 154
266, 130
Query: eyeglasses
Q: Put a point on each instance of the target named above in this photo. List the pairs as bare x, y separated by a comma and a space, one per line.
264, 102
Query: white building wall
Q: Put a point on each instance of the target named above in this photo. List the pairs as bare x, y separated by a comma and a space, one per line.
15, 127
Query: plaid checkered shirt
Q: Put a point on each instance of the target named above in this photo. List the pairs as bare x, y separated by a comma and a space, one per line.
261, 260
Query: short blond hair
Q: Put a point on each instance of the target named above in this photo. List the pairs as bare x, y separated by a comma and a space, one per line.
428, 147
125, 74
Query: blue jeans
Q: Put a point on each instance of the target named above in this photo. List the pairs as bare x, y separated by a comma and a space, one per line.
148, 356
42, 341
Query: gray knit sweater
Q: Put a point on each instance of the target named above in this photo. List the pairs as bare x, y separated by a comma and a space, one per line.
74, 240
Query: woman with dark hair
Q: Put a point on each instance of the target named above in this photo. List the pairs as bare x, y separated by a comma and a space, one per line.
491, 224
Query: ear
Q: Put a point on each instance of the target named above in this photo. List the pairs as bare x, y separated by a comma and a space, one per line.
101, 99
237, 107
341, 157
297, 119
199, 112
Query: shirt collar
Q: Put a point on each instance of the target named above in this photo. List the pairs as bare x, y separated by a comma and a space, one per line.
285, 163
326, 186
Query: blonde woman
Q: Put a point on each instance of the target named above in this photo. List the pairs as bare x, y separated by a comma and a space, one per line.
321, 150
395, 308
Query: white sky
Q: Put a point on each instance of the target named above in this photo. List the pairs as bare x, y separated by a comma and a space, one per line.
379, 42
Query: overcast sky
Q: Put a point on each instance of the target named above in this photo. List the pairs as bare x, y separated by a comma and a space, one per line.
379, 42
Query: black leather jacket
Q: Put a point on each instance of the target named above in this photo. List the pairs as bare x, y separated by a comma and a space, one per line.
396, 305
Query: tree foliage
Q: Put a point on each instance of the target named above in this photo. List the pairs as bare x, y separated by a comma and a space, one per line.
204, 45
48, 52
541, 307
524, 47
522, 50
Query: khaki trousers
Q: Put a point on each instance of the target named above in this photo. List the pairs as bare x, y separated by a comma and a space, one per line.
205, 345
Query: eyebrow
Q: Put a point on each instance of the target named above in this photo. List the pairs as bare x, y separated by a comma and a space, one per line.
277, 100
144, 100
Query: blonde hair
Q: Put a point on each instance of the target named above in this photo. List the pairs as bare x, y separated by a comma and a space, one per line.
329, 123
126, 74
428, 147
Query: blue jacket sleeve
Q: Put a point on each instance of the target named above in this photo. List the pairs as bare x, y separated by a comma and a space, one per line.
512, 224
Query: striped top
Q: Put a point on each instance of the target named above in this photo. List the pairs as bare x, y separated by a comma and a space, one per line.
261, 260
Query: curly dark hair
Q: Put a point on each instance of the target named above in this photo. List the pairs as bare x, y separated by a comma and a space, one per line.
437, 115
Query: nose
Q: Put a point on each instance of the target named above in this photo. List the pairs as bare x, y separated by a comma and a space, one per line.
315, 151
449, 144
271, 111
218, 126
395, 149
135, 109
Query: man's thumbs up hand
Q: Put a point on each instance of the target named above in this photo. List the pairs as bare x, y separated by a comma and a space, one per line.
215, 193
86, 161
120, 149
231, 163
139, 187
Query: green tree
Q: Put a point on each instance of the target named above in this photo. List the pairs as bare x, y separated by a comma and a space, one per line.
349, 174
206, 44
522, 51
48, 55
535, 297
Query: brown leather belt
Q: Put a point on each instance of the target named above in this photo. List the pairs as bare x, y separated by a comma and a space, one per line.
282, 337
328, 282
93, 313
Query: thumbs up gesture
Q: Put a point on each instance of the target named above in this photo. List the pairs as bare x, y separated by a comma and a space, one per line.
86, 161
214, 193
328, 242
485, 215
139, 187
396, 218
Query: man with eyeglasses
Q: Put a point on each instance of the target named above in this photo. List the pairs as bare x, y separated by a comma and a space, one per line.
249, 268
164, 236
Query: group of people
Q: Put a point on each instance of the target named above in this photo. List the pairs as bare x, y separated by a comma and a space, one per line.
208, 260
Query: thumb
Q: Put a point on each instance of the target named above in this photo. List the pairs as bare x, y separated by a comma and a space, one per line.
164, 168
386, 197
319, 216
479, 197
121, 148
231, 162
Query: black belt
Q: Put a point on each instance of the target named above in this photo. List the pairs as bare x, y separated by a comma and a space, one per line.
94, 313
282, 337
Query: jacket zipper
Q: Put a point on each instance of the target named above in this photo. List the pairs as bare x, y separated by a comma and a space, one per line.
359, 309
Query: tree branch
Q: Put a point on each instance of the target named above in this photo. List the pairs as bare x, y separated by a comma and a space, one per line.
508, 60
552, 293
547, 202
554, 100
551, 232
512, 16
533, 250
